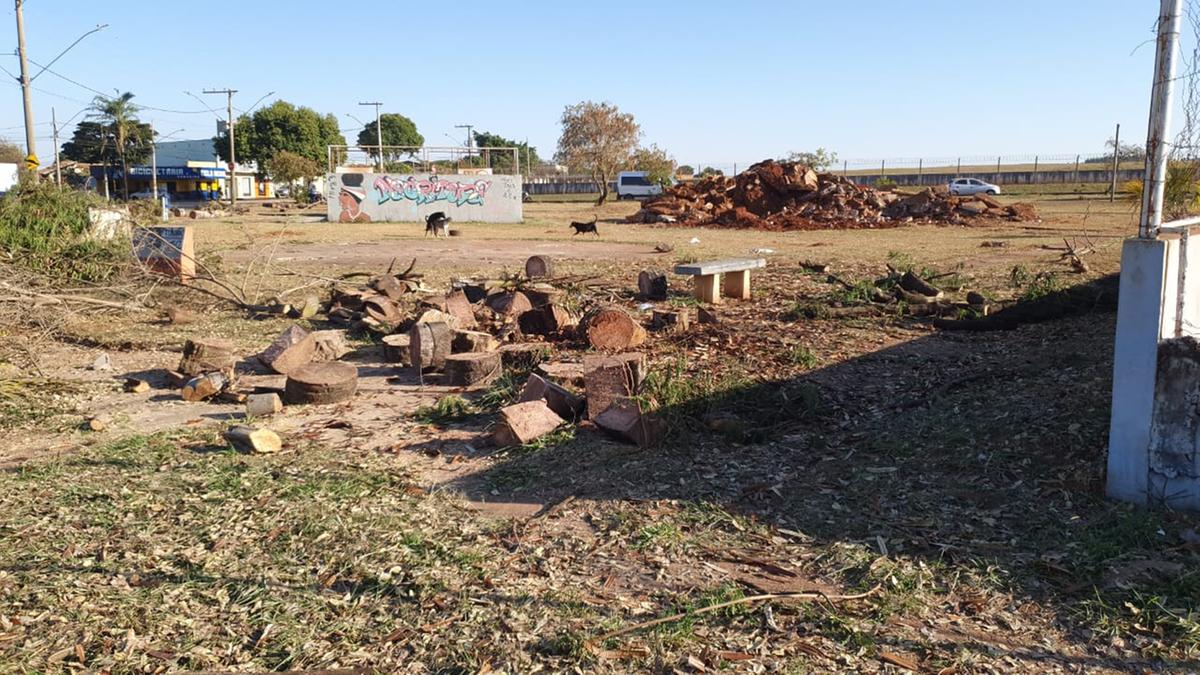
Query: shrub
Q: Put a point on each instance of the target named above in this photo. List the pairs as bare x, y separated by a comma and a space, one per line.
44, 229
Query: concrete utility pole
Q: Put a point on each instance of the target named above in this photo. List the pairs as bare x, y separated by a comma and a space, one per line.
470, 136
57, 167
1112, 189
30, 144
378, 130
1160, 118
231, 181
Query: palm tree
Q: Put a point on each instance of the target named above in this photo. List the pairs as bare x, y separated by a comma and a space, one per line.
120, 116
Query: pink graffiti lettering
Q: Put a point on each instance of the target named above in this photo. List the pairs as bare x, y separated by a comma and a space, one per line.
433, 189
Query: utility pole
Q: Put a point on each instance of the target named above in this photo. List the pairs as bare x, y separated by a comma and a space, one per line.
30, 144
231, 181
153, 166
1157, 150
1112, 190
470, 136
57, 167
378, 131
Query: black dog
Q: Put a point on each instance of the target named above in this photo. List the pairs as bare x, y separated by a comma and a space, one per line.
582, 228
437, 223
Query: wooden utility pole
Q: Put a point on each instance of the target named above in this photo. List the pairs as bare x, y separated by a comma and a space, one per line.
231, 181
1112, 189
30, 144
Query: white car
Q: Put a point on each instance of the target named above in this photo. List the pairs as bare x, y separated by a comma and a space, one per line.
636, 184
972, 186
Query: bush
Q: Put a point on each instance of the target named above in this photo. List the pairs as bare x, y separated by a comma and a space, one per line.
44, 229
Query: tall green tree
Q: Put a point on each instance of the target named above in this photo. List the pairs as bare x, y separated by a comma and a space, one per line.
121, 131
11, 153
277, 127
658, 165
397, 130
527, 155
599, 139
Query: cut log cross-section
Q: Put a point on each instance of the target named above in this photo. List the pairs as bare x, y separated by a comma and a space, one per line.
613, 329
472, 341
262, 405
607, 379
330, 345
293, 348
472, 368
320, 383
396, 349
565, 403
429, 345
652, 284
524, 422
204, 387
539, 267
253, 439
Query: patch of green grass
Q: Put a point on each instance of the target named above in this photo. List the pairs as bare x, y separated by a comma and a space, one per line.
503, 391
804, 309
1019, 276
1042, 285
802, 356
860, 293
445, 411
658, 535
25, 402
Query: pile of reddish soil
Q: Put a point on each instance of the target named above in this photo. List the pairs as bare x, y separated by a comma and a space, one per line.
789, 196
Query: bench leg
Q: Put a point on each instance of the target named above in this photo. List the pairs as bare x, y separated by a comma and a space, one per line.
707, 288
737, 285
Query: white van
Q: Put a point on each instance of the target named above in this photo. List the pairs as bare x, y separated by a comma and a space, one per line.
636, 185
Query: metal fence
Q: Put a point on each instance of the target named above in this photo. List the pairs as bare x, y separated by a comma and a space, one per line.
425, 159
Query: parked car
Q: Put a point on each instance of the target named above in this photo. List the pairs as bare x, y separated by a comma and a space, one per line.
148, 194
636, 184
972, 186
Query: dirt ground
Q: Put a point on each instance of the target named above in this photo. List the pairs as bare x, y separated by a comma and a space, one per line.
937, 495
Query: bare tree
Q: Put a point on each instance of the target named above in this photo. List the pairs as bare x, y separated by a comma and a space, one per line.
599, 139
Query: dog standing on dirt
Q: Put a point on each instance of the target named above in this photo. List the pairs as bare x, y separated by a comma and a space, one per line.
582, 228
437, 224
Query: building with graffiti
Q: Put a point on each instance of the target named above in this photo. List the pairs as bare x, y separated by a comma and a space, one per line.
371, 197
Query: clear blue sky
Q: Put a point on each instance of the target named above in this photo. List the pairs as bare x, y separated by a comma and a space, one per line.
712, 82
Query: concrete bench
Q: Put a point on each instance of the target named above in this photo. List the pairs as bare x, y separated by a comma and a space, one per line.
706, 278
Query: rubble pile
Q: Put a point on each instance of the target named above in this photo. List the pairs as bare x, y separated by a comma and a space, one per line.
774, 195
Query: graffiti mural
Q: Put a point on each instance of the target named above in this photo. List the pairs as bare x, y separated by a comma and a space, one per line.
432, 189
355, 197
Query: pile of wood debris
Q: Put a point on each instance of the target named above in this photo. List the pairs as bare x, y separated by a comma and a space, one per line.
774, 195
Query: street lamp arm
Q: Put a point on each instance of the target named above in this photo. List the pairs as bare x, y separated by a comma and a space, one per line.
46, 67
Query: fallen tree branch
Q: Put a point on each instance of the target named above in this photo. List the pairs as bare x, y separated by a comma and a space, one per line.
722, 605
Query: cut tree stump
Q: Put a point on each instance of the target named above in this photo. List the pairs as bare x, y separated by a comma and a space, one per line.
255, 440
613, 329
293, 348
429, 344
204, 387
510, 304
262, 405
472, 341
539, 267
524, 355
438, 316
565, 403
320, 383
382, 309
396, 349
625, 420
547, 320
330, 345
206, 356
670, 321
460, 308
524, 422
568, 373
543, 294
607, 379
471, 368
652, 284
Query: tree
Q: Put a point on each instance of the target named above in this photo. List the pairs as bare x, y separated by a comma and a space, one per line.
121, 131
819, 159
527, 155
1128, 152
685, 170
598, 139
397, 130
658, 165
289, 168
10, 153
281, 126
710, 171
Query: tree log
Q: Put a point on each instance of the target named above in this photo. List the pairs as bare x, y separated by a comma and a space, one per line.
262, 405
670, 321
471, 368
524, 356
565, 403
253, 439
915, 284
293, 348
625, 420
472, 341
539, 267
607, 379
460, 308
652, 284
524, 422
382, 309
388, 285
205, 356
548, 320
429, 345
319, 383
397, 349
511, 304
330, 345
613, 329
204, 387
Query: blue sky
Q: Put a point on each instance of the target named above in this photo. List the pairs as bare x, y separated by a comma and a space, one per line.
711, 82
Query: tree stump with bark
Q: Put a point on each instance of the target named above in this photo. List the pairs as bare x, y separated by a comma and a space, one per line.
471, 368
320, 383
429, 345
204, 387
539, 267
652, 284
613, 329
396, 349
206, 356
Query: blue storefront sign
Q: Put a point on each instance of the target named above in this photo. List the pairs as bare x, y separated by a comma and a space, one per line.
165, 172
